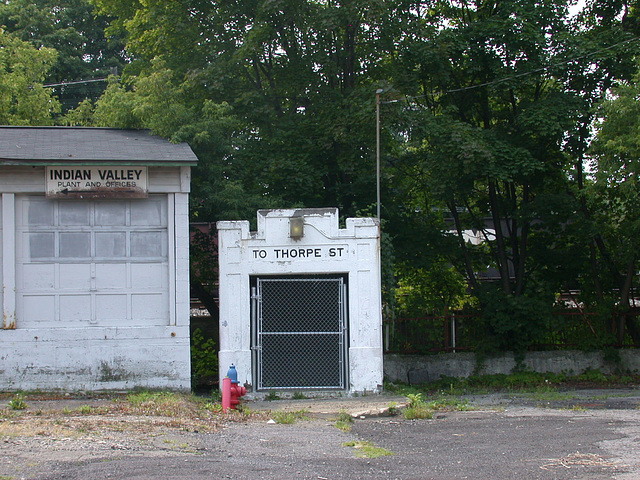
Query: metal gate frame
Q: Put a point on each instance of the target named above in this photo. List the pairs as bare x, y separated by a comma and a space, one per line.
259, 335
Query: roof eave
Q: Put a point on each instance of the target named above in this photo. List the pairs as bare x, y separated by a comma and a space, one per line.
75, 161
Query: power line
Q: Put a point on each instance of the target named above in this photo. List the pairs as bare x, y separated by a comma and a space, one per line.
77, 82
520, 75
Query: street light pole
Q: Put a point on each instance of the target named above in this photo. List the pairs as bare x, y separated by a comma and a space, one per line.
378, 92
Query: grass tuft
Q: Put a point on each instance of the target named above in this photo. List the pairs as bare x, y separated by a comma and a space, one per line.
17, 402
344, 421
289, 417
367, 449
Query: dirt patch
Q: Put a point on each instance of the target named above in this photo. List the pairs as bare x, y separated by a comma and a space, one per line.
64, 429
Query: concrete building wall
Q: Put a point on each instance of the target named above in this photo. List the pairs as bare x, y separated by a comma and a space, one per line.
95, 324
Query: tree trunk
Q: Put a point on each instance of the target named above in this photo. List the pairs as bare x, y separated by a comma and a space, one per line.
501, 253
471, 275
626, 320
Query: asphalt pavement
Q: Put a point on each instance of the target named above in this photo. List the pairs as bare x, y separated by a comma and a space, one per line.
591, 434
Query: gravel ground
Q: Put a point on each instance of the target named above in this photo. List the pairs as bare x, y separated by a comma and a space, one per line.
590, 434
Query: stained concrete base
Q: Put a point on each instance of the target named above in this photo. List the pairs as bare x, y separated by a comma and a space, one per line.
415, 369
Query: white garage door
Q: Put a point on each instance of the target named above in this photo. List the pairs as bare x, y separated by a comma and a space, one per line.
92, 262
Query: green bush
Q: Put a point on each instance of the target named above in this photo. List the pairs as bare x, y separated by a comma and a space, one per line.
204, 357
512, 323
17, 402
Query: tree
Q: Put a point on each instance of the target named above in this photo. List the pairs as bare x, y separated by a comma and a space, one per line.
77, 34
23, 68
487, 132
293, 78
487, 142
498, 113
274, 98
615, 199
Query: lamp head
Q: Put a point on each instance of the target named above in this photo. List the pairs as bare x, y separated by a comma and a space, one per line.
296, 227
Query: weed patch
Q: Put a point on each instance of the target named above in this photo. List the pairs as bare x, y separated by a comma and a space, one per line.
271, 396
367, 449
551, 396
289, 417
419, 408
419, 412
17, 402
344, 421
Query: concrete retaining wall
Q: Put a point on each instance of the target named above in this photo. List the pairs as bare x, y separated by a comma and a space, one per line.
414, 369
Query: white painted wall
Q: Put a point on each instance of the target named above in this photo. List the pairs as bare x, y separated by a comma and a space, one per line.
353, 250
80, 347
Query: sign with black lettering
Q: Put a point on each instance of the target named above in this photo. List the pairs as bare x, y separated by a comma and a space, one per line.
96, 182
279, 254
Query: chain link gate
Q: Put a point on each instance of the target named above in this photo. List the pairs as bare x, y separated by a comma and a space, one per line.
299, 333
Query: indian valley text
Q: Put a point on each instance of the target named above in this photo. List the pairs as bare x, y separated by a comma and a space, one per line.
71, 177
96, 181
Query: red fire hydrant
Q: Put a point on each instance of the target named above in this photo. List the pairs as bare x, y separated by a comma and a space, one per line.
231, 390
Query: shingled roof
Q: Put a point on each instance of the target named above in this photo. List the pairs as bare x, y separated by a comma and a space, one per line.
82, 145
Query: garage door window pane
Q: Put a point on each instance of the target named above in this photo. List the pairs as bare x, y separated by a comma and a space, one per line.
148, 244
111, 213
40, 213
41, 245
111, 244
75, 245
148, 212
73, 213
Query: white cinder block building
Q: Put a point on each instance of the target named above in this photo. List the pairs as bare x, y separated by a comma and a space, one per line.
300, 304
94, 259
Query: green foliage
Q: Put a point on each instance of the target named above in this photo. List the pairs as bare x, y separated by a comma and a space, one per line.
419, 412
344, 421
490, 157
511, 323
203, 256
81, 116
293, 80
388, 279
415, 399
343, 425
115, 108
204, 357
23, 68
271, 396
367, 449
486, 118
71, 28
285, 417
417, 409
614, 199
17, 402
432, 291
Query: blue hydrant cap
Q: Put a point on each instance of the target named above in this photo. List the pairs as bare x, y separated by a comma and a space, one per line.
232, 374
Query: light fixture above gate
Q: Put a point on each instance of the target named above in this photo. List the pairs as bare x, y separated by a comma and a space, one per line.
296, 227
